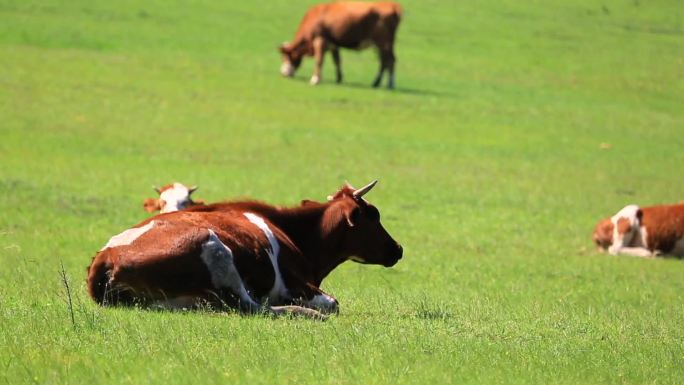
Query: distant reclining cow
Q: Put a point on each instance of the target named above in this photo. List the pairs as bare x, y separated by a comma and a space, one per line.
241, 254
353, 25
643, 232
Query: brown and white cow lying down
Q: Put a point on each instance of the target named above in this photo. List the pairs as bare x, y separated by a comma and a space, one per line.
172, 197
353, 25
242, 254
643, 232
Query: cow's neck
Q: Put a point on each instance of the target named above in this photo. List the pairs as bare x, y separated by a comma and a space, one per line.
303, 226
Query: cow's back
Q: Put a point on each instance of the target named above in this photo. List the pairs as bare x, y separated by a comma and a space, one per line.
664, 226
357, 25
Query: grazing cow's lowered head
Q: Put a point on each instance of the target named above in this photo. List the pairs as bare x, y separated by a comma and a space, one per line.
292, 57
172, 197
354, 224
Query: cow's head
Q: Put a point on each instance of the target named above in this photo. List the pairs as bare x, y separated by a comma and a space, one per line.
355, 224
292, 58
172, 197
618, 230
603, 234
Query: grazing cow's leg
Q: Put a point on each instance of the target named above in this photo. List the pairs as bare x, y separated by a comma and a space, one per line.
378, 78
386, 53
389, 62
336, 58
319, 54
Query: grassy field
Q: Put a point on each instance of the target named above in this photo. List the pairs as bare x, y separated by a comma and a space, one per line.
492, 174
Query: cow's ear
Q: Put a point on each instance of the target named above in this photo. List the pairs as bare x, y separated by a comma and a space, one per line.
151, 205
308, 202
285, 48
639, 215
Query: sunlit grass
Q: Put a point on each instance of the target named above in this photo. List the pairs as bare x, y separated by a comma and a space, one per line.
492, 174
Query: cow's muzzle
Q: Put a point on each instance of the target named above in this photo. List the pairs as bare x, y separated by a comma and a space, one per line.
287, 69
395, 254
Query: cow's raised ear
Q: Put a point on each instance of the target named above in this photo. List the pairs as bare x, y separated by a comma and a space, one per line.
639, 215
151, 205
285, 48
308, 202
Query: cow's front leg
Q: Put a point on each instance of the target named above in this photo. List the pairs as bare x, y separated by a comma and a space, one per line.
634, 252
319, 54
322, 302
312, 297
338, 68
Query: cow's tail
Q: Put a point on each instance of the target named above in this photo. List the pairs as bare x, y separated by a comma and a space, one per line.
98, 279
398, 11
395, 17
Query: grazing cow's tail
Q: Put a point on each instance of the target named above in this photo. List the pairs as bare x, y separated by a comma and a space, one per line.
398, 11
98, 279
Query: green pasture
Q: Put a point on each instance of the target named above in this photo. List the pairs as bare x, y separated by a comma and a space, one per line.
514, 127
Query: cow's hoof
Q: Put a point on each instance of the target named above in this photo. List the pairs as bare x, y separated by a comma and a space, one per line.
315, 80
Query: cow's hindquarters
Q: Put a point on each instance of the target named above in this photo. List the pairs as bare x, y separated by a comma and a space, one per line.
174, 265
167, 262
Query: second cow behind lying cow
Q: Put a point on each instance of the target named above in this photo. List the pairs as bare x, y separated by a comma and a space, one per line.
172, 197
241, 254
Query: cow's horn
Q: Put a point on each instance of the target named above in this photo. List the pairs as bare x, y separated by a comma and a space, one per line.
155, 188
192, 189
363, 190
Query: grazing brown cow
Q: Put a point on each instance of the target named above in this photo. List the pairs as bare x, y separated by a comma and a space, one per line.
172, 197
242, 254
643, 232
354, 25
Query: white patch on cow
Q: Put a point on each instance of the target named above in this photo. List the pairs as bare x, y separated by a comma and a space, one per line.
322, 302
175, 198
623, 240
127, 237
219, 261
287, 69
278, 290
315, 80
